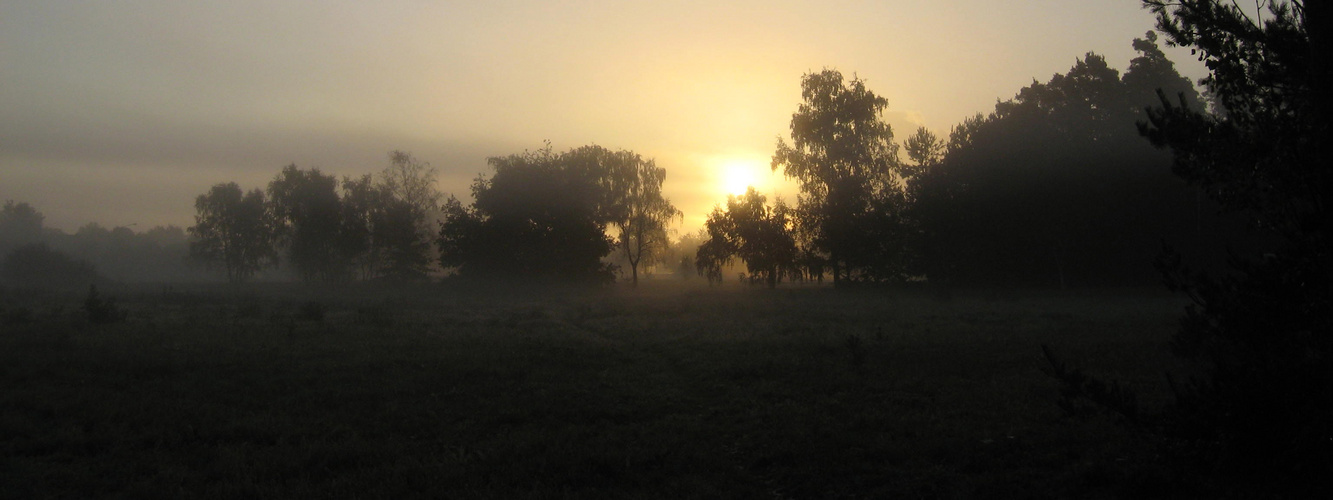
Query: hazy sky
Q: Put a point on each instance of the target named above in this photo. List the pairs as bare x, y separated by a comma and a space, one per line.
121, 112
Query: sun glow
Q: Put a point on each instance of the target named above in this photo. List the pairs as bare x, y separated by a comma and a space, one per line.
737, 174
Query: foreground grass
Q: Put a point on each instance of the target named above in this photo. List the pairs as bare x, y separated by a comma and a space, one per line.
667, 391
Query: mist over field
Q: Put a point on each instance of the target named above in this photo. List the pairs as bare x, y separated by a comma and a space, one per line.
583, 249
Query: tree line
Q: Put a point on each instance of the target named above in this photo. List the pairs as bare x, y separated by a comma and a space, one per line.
541, 216
1055, 187
32, 254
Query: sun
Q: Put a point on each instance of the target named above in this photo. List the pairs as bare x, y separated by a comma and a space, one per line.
737, 175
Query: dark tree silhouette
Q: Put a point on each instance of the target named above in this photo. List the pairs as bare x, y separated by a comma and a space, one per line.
636, 209
411, 201
1056, 188
37, 265
1152, 72
757, 233
362, 213
412, 182
1261, 421
387, 221
844, 157
306, 206
20, 224
233, 231
541, 216
716, 252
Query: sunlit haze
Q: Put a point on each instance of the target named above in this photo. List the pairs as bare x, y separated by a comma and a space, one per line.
122, 112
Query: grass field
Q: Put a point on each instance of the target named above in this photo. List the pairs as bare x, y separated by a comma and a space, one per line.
668, 391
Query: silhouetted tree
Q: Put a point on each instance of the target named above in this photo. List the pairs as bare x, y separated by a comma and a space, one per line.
757, 233
362, 209
406, 252
385, 219
717, 251
306, 206
844, 157
233, 231
540, 216
636, 208
924, 149
1261, 420
20, 224
411, 201
682, 253
412, 182
1055, 188
1152, 72
37, 265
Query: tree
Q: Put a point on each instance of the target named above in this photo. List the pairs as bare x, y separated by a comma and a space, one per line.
306, 206
540, 216
1055, 187
362, 207
233, 230
844, 157
20, 224
682, 253
1152, 72
1261, 419
37, 265
757, 233
412, 182
411, 200
924, 149
636, 208
381, 224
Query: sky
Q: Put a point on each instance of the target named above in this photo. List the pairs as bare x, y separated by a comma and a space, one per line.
122, 112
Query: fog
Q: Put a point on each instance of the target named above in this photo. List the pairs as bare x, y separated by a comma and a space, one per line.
123, 113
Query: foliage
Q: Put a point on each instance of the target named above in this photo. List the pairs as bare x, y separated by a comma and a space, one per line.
540, 216
1056, 188
924, 149
37, 265
158, 254
234, 231
1083, 395
306, 206
100, 310
382, 226
750, 229
680, 254
635, 207
717, 251
412, 182
410, 207
1261, 418
842, 153
20, 224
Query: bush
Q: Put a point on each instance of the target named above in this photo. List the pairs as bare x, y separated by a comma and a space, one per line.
37, 265
102, 310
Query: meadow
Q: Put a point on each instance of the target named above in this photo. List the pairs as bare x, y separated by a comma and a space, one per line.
670, 390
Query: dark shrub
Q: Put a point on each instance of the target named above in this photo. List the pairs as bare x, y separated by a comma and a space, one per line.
37, 265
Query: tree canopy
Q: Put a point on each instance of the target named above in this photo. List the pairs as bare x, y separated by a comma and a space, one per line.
843, 155
234, 231
1259, 422
761, 235
1056, 188
540, 216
